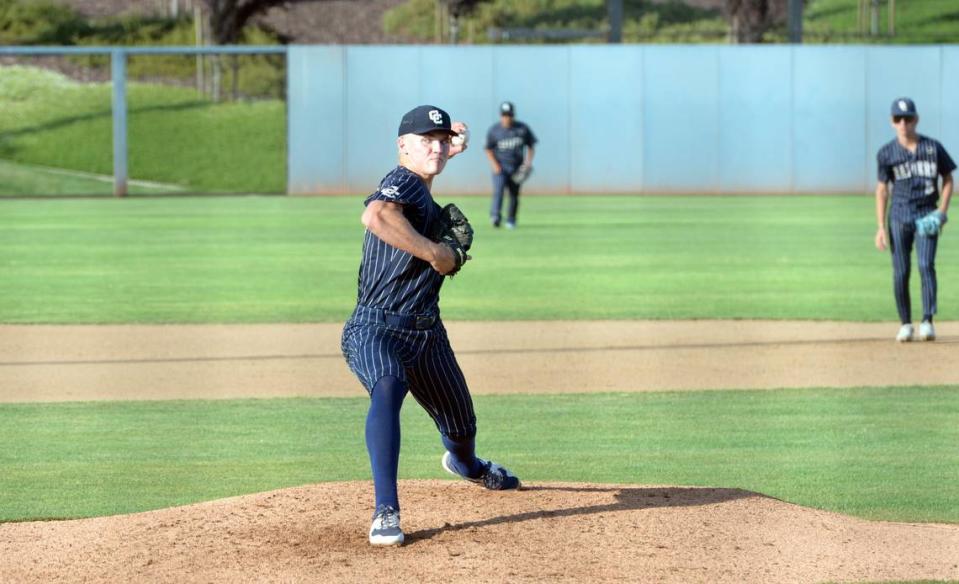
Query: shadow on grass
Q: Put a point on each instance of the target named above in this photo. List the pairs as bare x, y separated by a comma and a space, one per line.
826, 13
942, 18
627, 499
108, 113
7, 149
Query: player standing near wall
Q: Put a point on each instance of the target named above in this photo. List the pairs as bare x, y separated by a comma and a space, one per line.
913, 164
395, 341
509, 147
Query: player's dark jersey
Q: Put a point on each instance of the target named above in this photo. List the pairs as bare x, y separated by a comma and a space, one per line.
914, 175
509, 144
390, 278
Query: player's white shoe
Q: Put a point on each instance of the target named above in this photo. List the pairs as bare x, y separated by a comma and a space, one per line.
927, 332
494, 477
385, 529
905, 333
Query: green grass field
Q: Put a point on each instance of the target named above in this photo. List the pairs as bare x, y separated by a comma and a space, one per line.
175, 135
876, 453
17, 179
286, 259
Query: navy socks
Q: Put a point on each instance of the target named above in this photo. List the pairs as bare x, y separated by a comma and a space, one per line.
383, 442
463, 452
383, 438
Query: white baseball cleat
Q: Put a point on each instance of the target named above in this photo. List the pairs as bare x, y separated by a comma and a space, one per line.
927, 332
385, 529
905, 333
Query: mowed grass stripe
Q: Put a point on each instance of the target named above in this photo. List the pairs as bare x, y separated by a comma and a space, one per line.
289, 259
879, 453
37, 181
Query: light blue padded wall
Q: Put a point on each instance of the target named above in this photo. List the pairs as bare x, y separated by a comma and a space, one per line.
622, 118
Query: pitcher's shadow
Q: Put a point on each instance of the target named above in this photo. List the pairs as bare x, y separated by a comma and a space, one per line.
627, 498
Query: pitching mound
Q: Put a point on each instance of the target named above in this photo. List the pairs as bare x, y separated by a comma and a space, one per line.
459, 532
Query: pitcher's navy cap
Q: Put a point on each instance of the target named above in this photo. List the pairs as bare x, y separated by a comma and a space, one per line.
425, 119
904, 107
506, 109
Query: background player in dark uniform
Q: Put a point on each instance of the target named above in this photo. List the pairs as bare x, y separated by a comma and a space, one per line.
509, 145
913, 164
395, 341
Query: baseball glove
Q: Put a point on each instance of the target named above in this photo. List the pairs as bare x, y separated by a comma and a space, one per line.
522, 173
453, 229
930, 225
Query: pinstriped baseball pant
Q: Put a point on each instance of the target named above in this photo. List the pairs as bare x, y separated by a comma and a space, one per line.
422, 359
902, 235
501, 182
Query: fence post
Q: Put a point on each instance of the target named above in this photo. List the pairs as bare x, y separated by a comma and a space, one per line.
795, 21
118, 62
614, 11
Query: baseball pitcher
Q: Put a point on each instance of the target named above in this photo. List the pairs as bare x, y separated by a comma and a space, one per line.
395, 341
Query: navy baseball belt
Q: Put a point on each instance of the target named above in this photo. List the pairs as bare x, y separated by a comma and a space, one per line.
419, 322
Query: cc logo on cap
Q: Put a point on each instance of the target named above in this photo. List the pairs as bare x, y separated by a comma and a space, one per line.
436, 116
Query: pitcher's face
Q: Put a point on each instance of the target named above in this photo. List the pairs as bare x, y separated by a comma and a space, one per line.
425, 154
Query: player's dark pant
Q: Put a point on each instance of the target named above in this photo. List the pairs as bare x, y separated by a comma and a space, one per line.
377, 345
902, 236
393, 354
501, 182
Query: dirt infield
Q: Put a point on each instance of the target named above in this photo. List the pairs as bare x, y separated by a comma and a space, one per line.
57, 363
457, 532
462, 533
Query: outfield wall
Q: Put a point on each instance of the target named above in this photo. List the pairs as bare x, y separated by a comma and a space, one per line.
622, 118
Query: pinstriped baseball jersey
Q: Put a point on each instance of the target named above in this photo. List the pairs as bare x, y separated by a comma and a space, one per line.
914, 175
383, 336
390, 278
509, 144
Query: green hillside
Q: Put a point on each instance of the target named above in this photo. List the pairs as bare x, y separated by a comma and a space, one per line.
175, 134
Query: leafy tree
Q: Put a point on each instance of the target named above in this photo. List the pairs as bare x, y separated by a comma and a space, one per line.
462, 7
750, 20
228, 17
227, 20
